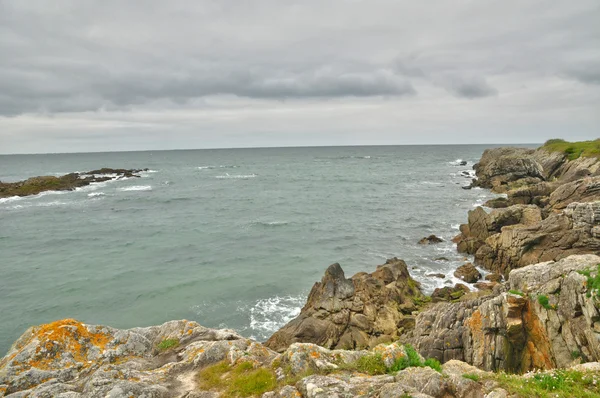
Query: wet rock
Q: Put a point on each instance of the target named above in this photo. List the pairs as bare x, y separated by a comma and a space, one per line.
468, 273
431, 239
354, 313
441, 276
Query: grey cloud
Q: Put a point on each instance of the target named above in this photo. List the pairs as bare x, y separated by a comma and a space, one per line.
585, 73
467, 86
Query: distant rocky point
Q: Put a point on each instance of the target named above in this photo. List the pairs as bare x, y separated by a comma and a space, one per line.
68, 182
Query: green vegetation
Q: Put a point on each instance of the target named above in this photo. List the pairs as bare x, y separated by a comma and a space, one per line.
167, 344
518, 293
412, 359
471, 376
575, 354
371, 364
593, 283
241, 380
545, 302
574, 150
558, 383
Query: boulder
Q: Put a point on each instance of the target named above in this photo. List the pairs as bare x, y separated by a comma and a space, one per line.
449, 293
354, 313
431, 239
468, 273
502, 169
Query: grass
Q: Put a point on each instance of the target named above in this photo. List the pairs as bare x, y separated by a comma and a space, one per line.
545, 302
471, 376
517, 292
241, 380
574, 150
555, 384
593, 282
413, 359
167, 344
371, 364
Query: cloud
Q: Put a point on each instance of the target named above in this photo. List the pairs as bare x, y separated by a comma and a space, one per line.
228, 60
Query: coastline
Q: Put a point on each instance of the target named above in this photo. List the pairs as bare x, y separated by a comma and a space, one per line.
493, 329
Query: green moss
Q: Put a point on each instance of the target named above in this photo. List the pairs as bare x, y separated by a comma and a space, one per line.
575, 354
167, 344
593, 283
471, 376
241, 380
558, 383
574, 150
517, 292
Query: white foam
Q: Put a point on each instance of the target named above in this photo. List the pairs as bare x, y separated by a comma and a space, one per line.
237, 176
268, 315
136, 188
10, 199
94, 194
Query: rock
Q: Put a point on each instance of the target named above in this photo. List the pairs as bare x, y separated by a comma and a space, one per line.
68, 182
354, 313
573, 231
514, 332
424, 380
431, 239
462, 163
468, 273
493, 278
441, 259
497, 203
504, 168
441, 276
485, 285
336, 386
449, 293
71, 359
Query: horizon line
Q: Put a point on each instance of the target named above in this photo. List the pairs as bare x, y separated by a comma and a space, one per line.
261, 147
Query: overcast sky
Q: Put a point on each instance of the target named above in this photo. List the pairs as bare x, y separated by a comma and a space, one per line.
84, 75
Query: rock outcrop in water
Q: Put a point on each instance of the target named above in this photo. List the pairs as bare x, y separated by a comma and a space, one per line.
68, 182
354, 313
547, 315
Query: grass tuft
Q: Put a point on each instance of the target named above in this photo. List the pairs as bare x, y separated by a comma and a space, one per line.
471, 376
241, 380
167, 344
517, 292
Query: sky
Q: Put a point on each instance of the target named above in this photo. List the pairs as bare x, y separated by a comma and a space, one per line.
113, 75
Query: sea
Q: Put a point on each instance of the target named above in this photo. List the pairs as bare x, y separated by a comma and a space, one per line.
230, 238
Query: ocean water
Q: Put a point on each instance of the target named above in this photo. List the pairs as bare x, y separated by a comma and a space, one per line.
228, 238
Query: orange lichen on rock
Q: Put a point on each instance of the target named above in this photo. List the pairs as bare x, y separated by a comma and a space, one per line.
61, 337
538, 354
475, 324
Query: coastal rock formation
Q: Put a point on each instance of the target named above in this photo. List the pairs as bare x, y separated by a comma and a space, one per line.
354, 313
549, 318
68, 182
181, 359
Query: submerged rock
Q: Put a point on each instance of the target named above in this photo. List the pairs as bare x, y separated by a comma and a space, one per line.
431, 239
354, 313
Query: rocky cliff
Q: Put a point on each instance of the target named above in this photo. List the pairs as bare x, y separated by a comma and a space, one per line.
357, 312
68, 359
551, 209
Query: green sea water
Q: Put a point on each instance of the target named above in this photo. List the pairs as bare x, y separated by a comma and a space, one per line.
229, 238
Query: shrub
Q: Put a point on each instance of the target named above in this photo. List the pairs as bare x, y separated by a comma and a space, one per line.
433, 364
544, 302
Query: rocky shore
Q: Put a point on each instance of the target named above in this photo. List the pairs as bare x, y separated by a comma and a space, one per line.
68, 182
531, 329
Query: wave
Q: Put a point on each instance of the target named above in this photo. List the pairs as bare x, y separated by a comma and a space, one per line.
458, 162
10, 199
136, 188
223, 166
269, 223
237, 176
94, 194
268, 315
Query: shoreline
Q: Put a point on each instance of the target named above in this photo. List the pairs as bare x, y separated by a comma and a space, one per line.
516, 325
